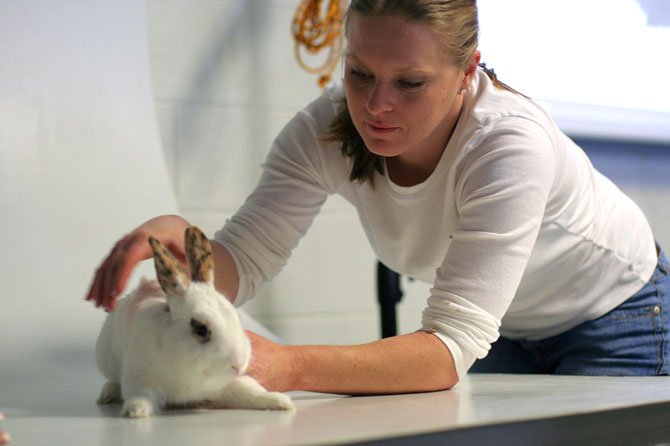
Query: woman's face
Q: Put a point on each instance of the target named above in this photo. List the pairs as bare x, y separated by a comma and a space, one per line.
401, 88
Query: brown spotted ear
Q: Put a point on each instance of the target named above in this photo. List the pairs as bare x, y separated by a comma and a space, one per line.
171, 274
199, 255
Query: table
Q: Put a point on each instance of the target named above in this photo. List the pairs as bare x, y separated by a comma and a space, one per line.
51, 400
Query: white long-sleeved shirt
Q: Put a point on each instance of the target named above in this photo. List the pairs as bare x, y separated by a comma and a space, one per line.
515, 229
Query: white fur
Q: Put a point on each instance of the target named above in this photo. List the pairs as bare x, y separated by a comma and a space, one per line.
151, 358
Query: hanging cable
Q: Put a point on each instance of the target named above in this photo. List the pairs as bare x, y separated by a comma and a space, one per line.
315, 30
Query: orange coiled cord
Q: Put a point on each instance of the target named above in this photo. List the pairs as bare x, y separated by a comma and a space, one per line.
315, 33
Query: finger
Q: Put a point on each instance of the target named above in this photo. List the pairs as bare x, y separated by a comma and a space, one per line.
95, 293
5, 437
90, 295
129, 253
108, 290
102, 277
95, 284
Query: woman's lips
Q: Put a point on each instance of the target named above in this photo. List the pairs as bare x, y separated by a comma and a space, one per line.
380, 128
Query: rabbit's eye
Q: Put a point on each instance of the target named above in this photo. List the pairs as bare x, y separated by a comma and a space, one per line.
200, 331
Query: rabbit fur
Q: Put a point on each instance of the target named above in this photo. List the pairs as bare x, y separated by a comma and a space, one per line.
178, 341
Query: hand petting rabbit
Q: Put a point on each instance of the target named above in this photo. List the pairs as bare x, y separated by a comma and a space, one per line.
179, 342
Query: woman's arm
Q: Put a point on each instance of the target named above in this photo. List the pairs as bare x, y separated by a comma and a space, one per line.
226, 276
415, 362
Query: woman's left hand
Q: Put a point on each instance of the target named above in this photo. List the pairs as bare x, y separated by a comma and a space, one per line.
271, 363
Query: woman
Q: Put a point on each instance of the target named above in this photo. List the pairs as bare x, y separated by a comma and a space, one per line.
458, 181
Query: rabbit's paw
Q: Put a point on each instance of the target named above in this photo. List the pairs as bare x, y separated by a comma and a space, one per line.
110, 394
137, 407
274, 401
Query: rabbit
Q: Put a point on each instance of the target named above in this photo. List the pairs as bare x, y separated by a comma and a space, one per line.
178, 341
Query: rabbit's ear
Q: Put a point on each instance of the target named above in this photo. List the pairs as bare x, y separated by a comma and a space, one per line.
199, 255
170, 272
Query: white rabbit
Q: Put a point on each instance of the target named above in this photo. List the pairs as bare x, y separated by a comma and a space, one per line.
179, 342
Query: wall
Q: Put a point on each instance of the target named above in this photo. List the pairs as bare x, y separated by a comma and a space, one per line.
225, 81
641, 170
80, 162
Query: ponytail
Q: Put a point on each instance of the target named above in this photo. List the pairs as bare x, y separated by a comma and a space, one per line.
496, 82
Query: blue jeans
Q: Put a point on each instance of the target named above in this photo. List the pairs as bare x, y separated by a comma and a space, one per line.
632, 339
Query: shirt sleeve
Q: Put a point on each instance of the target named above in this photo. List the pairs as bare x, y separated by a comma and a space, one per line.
298, 175
502, 188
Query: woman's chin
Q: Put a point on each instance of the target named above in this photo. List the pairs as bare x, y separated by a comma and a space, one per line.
382, 148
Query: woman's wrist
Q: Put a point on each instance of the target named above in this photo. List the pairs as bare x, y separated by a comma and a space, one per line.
295, 368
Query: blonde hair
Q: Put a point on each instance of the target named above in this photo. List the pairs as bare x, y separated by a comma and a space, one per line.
454, 21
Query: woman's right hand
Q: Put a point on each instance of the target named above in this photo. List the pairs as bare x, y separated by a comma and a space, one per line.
113, 273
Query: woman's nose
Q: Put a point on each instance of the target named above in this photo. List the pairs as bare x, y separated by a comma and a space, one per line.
379, 99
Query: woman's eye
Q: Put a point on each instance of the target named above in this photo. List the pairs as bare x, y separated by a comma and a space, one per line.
360, 75
410, 85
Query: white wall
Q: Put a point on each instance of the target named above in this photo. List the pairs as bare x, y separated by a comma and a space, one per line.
585, 65
225, 82
80, 161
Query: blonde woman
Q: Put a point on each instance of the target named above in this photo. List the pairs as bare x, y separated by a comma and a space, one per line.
539, 264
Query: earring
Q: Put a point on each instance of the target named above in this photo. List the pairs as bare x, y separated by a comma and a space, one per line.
461, 91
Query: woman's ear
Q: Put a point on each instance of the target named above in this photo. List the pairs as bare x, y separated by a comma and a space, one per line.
471, 69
